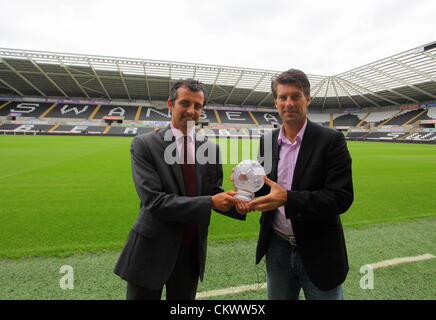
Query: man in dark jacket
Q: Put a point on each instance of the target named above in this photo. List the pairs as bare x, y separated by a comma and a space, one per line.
308, 187
167, 244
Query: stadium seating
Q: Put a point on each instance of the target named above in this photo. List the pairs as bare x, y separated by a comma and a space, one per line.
234, 133
385, 135
380, 116
356, 135
24, 127
224, 133
128, 112
346, 120
70, 111
26, 109
406, 117
76, 118
235, 117
78, 129
422, 136
266, 118
432, 113
70, 129
322, 118
208, 115
127, 131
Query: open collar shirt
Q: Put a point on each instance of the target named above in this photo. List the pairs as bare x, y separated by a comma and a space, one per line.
178, 134
285, 173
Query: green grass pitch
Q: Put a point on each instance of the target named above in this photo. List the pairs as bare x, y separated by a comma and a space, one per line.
63, 195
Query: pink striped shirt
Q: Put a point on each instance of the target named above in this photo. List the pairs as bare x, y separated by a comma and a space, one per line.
285, 173
178, 134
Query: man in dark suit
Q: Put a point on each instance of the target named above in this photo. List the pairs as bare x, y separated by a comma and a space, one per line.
177, 190
308, 186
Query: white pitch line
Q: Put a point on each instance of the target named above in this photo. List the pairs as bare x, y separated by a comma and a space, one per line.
231, 290
393, 262
257, 286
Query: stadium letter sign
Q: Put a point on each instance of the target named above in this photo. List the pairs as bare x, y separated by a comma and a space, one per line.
25, 107
65, 109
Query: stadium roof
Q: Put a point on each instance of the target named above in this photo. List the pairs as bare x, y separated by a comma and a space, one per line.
405, 78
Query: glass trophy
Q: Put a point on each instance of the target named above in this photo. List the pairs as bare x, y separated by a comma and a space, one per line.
247, 179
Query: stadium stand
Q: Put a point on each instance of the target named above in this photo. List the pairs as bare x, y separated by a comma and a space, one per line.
48, 93
209, 115
266, 118
235, 117
24, 128
234, 133
70, 111
128, 112
346, 120
154, 114
65, 118
356, 135
79, 129
422, 136
127, 131
405, 118
322, 118
385, 135
432, 113
380, 116
26, 109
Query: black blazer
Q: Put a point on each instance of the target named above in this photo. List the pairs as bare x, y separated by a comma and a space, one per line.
153, 244
322, 189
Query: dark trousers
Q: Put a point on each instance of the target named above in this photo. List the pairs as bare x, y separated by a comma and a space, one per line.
182, 283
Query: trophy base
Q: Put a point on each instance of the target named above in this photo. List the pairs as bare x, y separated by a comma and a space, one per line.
244, 195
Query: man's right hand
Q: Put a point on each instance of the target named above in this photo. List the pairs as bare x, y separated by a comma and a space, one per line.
242, 207
223, 201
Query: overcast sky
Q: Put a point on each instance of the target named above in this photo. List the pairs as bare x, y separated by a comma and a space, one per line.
318, 37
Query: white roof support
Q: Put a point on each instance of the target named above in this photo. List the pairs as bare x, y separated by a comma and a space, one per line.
266, 97
351, 98
146, 83
403, 82
123, 81
11, 87
385, 87
336, 92
234, 87
23, 78
47, 76
318, 88
73, 78
169, 81
221, 96
254, 89
354, 86
214, 82
325, 95
410, 76
425, 75
98, 79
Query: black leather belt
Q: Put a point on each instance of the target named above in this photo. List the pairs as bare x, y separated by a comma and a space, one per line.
290, 239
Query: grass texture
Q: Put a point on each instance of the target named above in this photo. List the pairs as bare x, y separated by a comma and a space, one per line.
231, 264
63, 195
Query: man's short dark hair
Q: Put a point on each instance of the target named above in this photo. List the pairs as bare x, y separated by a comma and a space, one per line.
291, 76
191, 84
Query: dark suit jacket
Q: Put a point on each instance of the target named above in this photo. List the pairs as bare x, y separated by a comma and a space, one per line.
153, 244
322, 189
